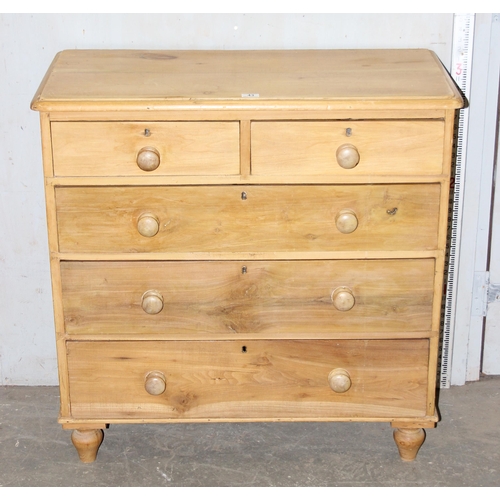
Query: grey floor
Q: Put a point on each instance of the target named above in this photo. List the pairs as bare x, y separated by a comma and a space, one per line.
463, 450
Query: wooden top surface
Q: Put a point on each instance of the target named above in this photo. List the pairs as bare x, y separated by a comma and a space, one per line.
80, 80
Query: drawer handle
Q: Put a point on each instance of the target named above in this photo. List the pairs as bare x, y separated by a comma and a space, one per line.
347, 156
343, 299
346, 221
148, 159
155, 383
148, 225
339, 380
152, 302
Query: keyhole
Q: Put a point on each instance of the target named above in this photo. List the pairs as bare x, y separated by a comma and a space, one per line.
244, 348
147, 132
243, 195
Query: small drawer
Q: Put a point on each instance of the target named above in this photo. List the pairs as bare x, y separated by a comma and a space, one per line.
145, 148
329, 148
248, 218
272, 298
258, 379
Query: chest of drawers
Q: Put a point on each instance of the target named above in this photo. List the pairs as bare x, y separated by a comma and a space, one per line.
247, 236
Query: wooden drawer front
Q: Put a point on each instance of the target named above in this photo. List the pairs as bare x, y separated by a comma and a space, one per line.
247, 218
247, 379
112, 148
384, 147
255, 297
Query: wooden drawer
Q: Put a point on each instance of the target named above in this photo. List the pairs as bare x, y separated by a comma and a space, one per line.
248, 218
382, 147
273, 298
248, 379
116, 148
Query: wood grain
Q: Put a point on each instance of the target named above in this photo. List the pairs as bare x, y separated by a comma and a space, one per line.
111, 148
270, 218
155, 80
250, 379
273, 297
385, 147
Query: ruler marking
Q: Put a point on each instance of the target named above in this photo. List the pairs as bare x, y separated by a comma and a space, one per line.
463, 31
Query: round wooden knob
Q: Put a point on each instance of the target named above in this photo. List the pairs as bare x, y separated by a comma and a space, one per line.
343, 298
148, 159
339, 380
347, 156
346, 221
155, 383
148, 225
152, 302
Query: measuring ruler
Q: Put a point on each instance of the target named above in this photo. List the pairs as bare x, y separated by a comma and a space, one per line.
461, 62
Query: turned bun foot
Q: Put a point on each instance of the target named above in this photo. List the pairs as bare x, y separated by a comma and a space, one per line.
408, 442
87, 442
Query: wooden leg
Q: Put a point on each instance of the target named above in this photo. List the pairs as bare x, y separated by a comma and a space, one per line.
87, 442
409, 442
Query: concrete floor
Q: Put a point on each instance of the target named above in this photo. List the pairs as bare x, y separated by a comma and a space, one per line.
463, 450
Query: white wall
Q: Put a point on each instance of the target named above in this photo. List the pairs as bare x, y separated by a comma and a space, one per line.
28, 43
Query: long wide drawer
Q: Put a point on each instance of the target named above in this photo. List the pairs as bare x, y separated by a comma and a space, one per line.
248, 218
145, 148
348, 148
256, 297
248, 380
